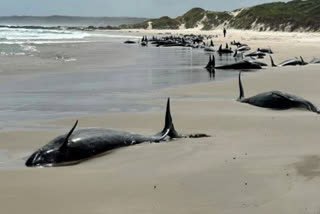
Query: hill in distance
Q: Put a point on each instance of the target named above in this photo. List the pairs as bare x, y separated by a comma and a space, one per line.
296, 15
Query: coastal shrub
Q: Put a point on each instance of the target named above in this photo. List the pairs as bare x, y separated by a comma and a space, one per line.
215, 19
192, 17
294, 15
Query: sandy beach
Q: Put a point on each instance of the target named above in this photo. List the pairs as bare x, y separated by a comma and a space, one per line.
256, 160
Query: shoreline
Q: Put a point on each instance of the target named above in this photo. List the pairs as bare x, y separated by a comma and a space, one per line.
233, 32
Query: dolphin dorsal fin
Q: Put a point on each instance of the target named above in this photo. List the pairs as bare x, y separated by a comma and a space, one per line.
235, 53
209, 63
213, 62
68, 136
302, 61
168, 118
241, 96
168, 129
272, 62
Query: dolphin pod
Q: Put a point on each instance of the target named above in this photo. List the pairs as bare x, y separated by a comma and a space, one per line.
79, 145
276, 100
82, 144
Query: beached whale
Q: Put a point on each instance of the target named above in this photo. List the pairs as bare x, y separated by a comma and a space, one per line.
243, 48
289, 62
79, 145
243, 64
224, 50
238, 43
315, 61
129, 42
276, 100
262, 64
258, 54
265, 50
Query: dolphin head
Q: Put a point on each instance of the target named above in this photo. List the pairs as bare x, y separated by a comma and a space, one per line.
54, 153
48, 156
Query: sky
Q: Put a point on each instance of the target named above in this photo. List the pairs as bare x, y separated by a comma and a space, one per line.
132, 8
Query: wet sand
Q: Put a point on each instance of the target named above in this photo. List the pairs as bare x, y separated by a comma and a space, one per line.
96, 76
256, 160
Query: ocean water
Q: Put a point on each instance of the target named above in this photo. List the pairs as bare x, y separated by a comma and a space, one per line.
21, 41
98, 74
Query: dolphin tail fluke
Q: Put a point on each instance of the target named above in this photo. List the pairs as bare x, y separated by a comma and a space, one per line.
272, 62
241, 96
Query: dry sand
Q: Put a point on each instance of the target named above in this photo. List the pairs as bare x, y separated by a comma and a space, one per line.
257, 160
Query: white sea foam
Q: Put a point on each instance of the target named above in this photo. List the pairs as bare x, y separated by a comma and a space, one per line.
41, 42
22, 41
22, 34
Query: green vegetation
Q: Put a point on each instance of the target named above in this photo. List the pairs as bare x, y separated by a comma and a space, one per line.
192, 17
295, 15
215, 19
280, 16
142, 25
165, 22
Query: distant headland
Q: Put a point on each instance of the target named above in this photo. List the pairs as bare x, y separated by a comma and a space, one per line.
296, 15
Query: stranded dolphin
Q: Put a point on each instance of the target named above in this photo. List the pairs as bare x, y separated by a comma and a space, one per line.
276, 100
83, 144
243, 64
224, 50
289, 62
315, 61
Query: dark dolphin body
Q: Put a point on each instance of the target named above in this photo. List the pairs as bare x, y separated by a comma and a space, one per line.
315, 61
265, 50
262, 64
289, 62
250, 59
224, 50
243, 64
83, 144
244, 48
129, 42
276, 100
258, 54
